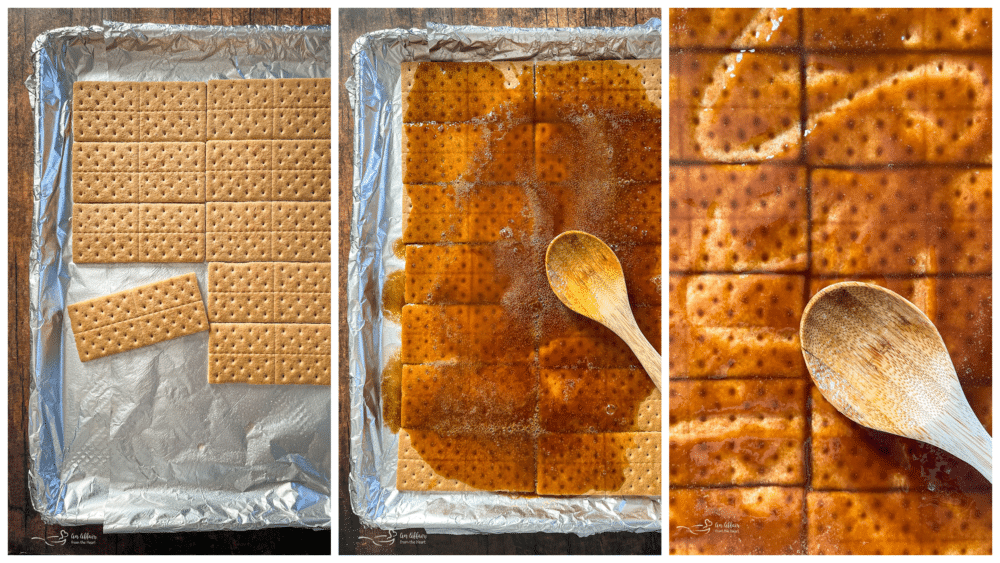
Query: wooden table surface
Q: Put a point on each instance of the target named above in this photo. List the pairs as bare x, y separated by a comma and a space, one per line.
25, 527
354, 23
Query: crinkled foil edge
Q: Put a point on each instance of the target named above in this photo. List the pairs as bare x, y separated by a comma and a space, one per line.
374, 94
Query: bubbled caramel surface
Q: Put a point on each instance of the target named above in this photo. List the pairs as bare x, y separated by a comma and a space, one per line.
807, 147
500, 387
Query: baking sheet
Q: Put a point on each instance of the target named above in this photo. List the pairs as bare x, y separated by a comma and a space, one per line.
140, 441
375, 96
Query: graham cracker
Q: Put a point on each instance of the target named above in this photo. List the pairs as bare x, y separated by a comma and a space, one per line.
571, 400
437, 214
269, 353
288, 108
268, 231
939, 229
138, 317
263, 170
138, 233
444, 396
486, 462
484, 329
464, 91
754, 435
577, 464
699, 518
913, 523
269, 292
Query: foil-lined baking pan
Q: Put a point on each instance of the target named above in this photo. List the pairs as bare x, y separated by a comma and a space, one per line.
375, 96
139, 441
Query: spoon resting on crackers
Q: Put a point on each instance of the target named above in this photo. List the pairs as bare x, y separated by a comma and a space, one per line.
587, 277
881, 362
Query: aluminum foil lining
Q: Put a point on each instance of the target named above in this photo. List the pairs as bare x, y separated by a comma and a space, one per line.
375, 95
139, 441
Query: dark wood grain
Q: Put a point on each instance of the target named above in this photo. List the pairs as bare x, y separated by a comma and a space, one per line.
24, 523
354, 23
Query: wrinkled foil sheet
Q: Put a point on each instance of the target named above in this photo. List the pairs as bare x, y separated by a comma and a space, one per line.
375, 95
139, 441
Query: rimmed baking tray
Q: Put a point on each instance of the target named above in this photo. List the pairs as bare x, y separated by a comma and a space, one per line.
140, 441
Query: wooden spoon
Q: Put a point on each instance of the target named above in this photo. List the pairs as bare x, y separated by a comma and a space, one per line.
585, 274
880, 361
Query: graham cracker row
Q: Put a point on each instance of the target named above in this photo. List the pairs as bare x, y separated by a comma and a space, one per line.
953, 523
736, 508
139, 96
269, 354
269, 93
465, 273
568, 464
138, 317
489, 336
453, 92
443, 92
284, 123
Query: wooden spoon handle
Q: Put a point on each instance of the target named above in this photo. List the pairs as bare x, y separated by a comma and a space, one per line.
648, 356
961, 434
623, 324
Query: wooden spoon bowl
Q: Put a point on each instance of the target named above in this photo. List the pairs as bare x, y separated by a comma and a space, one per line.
586, 276
881, 362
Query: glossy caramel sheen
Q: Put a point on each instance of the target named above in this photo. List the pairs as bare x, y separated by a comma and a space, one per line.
503, 388
810, 146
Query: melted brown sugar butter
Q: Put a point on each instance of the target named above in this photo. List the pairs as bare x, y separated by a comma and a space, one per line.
787, 157
477, 414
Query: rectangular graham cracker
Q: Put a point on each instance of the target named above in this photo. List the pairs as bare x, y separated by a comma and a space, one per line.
435, 214
268, 170
265, 231
287, 108
484, 462
144, 232
137, 317
269, 292
713, 447
589, 463
943, 523
269, 353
